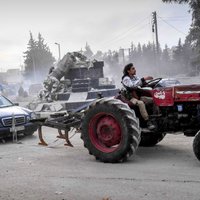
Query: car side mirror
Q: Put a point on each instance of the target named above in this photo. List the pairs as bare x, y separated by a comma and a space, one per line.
16, 104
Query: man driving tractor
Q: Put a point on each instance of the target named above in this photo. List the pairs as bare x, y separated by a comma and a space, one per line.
130, 83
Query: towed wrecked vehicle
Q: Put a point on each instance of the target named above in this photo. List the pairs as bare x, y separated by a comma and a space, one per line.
14, 118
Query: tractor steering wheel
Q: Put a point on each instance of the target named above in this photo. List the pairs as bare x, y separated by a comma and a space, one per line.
152, 83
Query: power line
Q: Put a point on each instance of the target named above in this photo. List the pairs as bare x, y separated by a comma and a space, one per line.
177, 20
176, 17
123, 34
136, 30
171, 26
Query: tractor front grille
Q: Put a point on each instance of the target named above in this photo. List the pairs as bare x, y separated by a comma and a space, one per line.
18, 120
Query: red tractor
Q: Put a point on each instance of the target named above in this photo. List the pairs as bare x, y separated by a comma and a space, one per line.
112, 128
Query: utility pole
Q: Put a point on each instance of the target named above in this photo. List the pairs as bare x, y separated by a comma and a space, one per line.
155, 30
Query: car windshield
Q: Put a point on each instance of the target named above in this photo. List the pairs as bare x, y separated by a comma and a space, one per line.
4, 102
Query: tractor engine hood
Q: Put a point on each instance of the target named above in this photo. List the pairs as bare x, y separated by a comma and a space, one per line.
179, 93
187, 92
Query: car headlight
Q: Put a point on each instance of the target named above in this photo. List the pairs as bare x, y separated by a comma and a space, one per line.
33, 115
28, 118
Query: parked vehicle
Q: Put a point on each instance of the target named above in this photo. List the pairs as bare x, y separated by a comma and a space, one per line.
14, 116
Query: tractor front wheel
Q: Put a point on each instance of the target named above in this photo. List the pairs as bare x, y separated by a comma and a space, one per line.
196, 145
110, 130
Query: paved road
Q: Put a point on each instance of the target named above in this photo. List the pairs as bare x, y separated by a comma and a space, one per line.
28, 171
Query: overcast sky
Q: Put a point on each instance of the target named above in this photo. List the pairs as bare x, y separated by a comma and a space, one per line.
103, 24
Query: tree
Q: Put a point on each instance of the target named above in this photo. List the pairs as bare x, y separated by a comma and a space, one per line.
178, 52
88, 52
177, 58
187, 55
46, 59
115, 58
149, 54
194, 35
98, 55
29, 61
165, 58
37, 59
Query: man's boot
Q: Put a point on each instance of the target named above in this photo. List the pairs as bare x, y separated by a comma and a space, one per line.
150, 126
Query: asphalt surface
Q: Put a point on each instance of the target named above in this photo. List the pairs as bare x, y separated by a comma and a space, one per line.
29, 171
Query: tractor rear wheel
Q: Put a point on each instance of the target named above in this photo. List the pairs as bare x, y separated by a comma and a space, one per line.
196, 145
110, 130
150, 139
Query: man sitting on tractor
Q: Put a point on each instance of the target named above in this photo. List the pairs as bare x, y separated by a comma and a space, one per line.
131, 82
